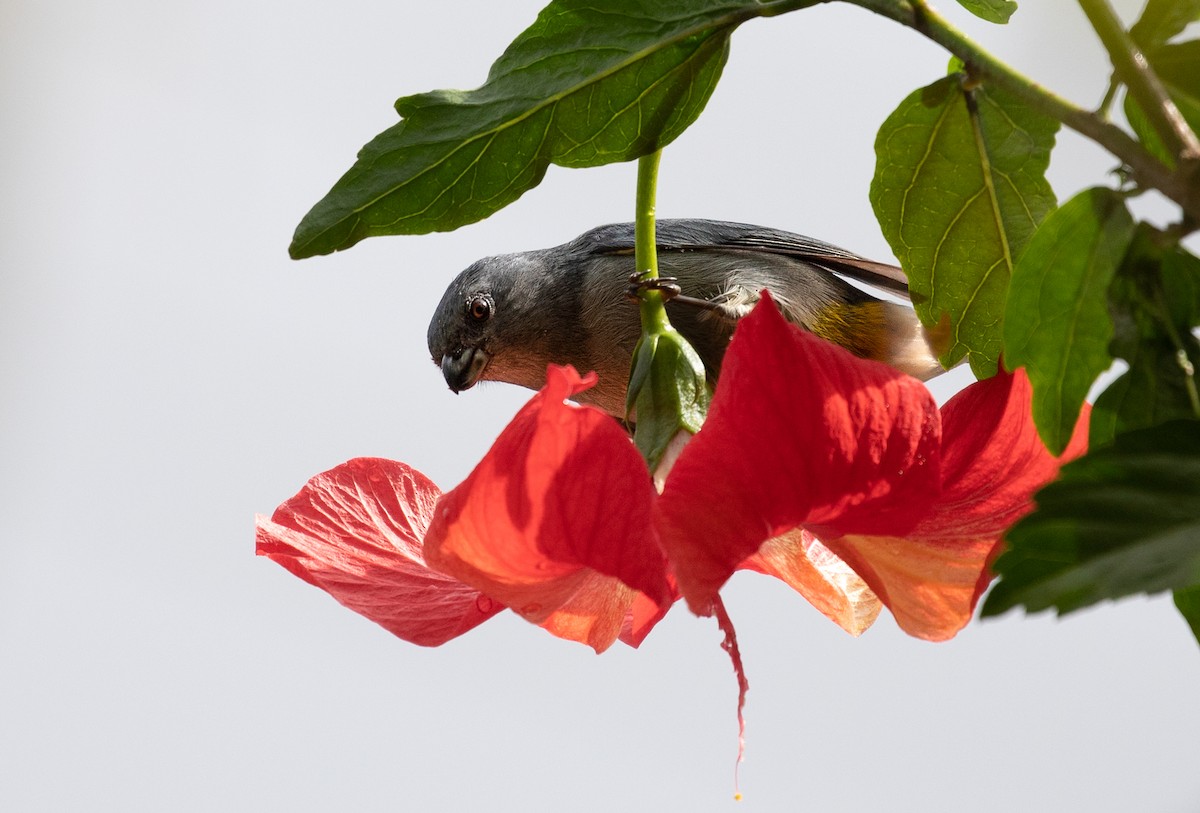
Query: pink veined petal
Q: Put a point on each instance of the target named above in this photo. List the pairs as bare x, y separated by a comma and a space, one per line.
356, 532
561, 497
800, 432
992, 462
811, 569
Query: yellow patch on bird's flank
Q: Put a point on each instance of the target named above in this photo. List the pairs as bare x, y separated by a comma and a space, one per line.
861, 329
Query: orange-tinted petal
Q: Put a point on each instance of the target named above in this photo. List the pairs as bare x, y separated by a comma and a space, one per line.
812, 570
930, 585
800, 432
992, 462
356, 531
595, 614
561, 496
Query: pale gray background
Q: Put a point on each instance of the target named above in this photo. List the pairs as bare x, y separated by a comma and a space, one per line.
168, 372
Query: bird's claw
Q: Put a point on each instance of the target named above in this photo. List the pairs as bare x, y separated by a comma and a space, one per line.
671, 292
640, 282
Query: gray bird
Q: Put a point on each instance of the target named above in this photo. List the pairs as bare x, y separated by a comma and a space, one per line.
506, 317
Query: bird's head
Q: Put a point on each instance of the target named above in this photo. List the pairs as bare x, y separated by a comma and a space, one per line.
495, 322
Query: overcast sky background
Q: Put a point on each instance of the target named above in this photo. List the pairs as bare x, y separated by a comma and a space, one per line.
167, 372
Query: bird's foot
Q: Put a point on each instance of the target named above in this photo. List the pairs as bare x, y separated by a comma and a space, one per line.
639, 282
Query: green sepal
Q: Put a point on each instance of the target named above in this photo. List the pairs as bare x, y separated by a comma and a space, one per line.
668, 392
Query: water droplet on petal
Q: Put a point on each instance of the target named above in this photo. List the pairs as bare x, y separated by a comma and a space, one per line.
484, 604
531, 609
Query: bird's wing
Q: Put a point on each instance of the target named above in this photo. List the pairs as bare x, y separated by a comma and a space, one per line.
707, 235
880, 275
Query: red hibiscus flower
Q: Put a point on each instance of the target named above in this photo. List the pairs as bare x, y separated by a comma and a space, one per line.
805, 442
555, 522
836, 474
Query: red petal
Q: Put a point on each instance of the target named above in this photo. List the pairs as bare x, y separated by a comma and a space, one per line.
800, 431
355, 531
562, 493
992, 462
643, 614
812, 570
992, 459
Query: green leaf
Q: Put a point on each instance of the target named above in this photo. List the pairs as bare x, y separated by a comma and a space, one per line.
1151, 392
1155, 302
587, 84
1181, 287
1187, 601
959, 188
1163, 19
1121, 520
1178, 66
1057, 324
994, 11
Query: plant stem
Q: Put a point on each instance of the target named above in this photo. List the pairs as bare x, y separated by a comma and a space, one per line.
1148, 170
1110, 96
1163, 314
654, 314
1131, 66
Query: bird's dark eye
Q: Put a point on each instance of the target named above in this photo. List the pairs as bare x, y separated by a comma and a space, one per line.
480, 308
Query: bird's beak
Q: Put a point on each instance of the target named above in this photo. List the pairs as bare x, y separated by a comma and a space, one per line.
463, 368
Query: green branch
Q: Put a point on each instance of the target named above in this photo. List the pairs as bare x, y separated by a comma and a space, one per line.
1133, 69
667, 393
1146, 169
652, 304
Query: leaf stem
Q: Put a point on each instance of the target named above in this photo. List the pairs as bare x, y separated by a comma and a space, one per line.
653, 311
1148, 170
1110, 96
1133, 69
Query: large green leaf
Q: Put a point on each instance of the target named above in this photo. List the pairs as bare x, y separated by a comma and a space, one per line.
959, 188
1121, 520
1057, 324
1155, 302
587, 84
1163, 19
994, 11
